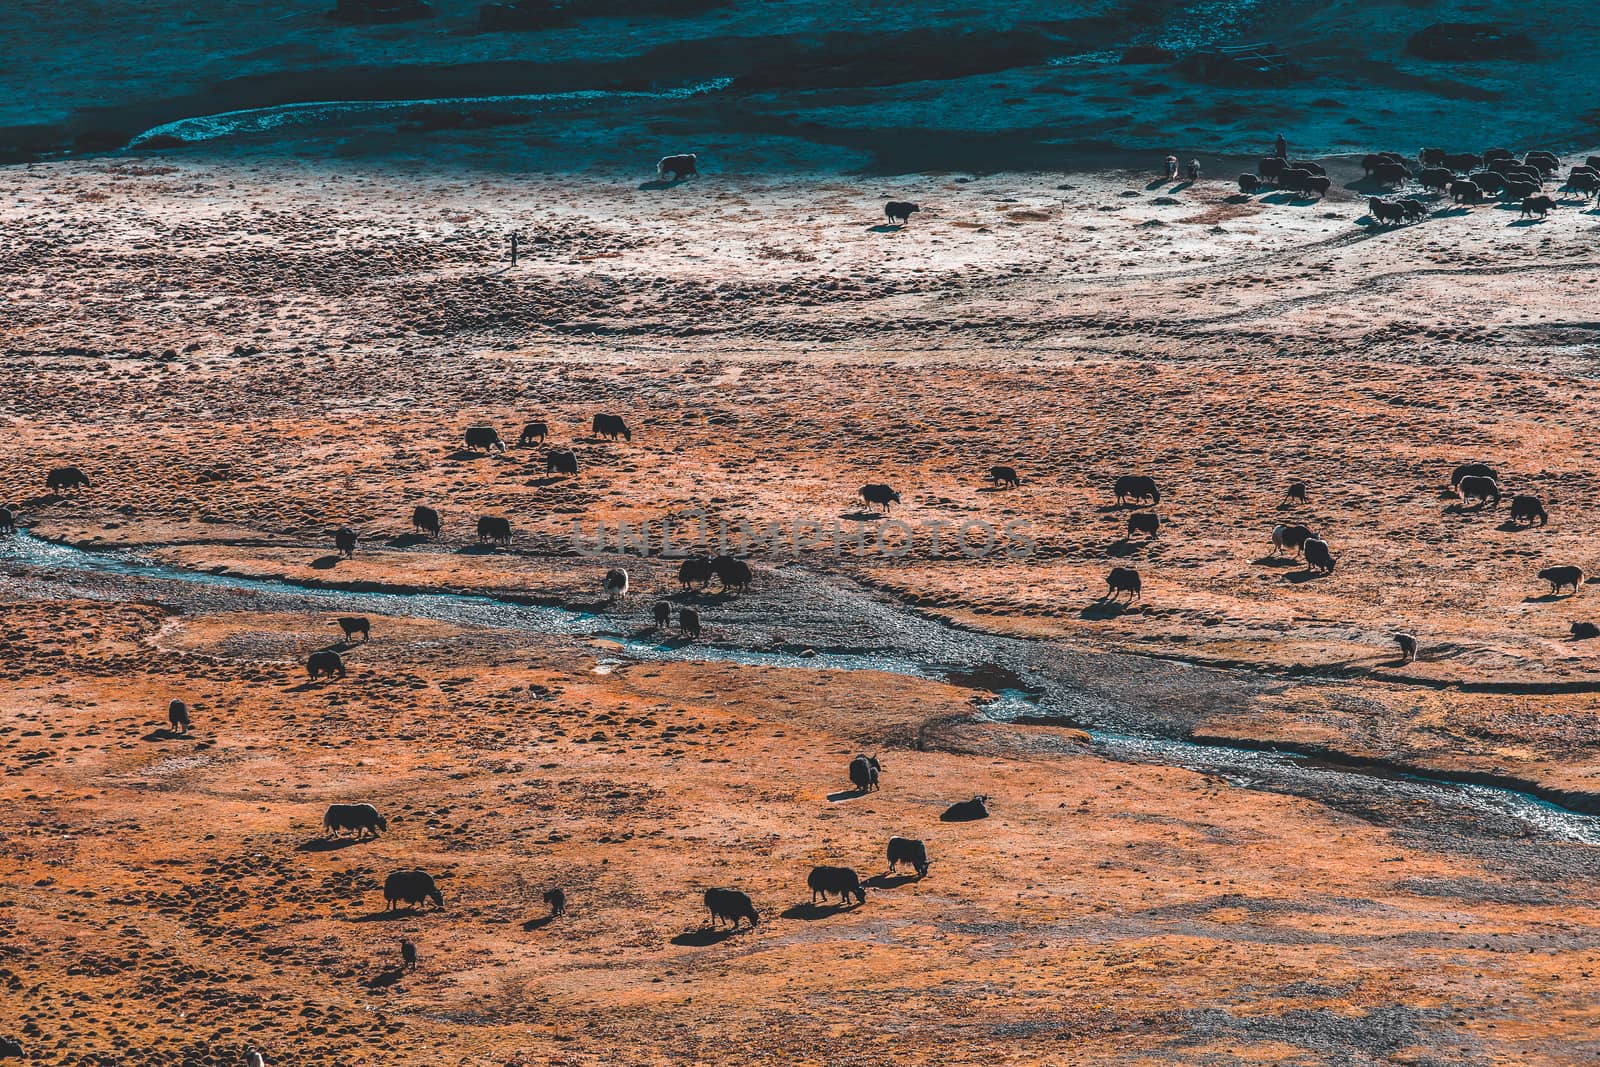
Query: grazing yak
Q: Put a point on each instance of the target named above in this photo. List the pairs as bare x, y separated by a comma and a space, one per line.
533, 431
733, 573
556, 897
1144, 522
1006, 476
1474, 487
878, 494
1414, 209
1319, 185
411, 887
1585, 631
8, 521
1583, 182
1437, 179
1383, 212
1537, 205
1249, 183
616, 583
345, 540
494, 528
1558, 577
561, 461
679, 166
1525, 509
842, 882
178, 716
1408, 647
325, 662
1317, 555
689, 622
1466, 191
66, 478
900, 211
1137, 488
1391, 173
354, 624
611, 427
906, 850
362, 820
482, 439
1296, 491
1462, 162
1517, 190
662, 613
426, 520
1123, 580
967, 810
1270, 166
1472, 470
864, 773
696, 570
1290, 538
1296, 180
729, 906
1489, 181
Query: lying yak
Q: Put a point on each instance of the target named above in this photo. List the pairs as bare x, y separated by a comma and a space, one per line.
967, 810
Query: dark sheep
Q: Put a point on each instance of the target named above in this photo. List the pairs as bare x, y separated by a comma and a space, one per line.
864, 773
729, 906
482, 439
354, 624
427, 521
696, 570
324, 663
1466, 191
178, 716
1006, 476
1123, 580
842, 882
662, 613
1436, 178
611, 426
362, 820
1408, 647
967, 810
1249, 183
1474, 487
1290, 538
1472, 470
1318, 557
561, 461
900, 211
557, 899
1525, 509
878, 494
533, 431
1137, 488
689, 622
1144, 522
1537, 205
66, 478
1585, 631
905, 850
685, 165
411, 887
733, 573
1296, 491
1558, 577
8, 521
345, 540
494, 528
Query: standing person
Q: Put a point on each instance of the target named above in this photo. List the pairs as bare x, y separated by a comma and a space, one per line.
1194, 170
1281, 148
1172, 168
514, 241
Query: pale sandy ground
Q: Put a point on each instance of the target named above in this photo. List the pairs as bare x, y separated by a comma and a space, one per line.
773, 351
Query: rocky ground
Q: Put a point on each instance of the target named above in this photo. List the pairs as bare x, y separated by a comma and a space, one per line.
243, 355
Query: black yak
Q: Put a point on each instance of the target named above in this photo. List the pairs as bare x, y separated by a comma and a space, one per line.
905, 850
361, 819
354, 624
482, 439
729, 906
324, 663
1559, 577
679, 166
900, 211
842, 882
610, 426
1136, 487
1123, 580
494, 528
427, 521
879, 494
411, 887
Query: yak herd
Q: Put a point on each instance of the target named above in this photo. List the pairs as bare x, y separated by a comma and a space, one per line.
1466, 177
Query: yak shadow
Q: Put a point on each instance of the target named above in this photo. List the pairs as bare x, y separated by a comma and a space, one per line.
1307, 575
1274, 561
309, 684
1121, 505
846, 794
387, 916
886, 227
811, 911
890, 881
864, 516
1105, 609
538, 924
477, 550
1513, 526
467, 453
704, 936
385, 978
408, 540
327, 844
1237, 198
549, 480
995, 488
326, 563
1452, 212
1548, 598
162, 733
1122, 546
